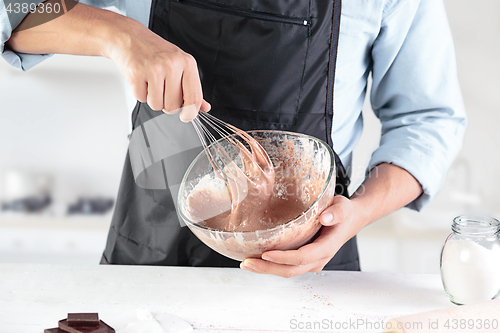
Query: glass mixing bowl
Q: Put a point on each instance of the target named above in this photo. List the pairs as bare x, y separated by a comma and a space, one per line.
312, 163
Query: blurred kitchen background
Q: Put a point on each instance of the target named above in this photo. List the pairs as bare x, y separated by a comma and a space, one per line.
63, 139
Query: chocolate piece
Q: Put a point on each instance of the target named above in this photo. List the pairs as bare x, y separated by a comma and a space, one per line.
81, 323
102, 328
83, 319
109, 328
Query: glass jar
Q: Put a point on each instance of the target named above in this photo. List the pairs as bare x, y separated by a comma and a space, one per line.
470, 260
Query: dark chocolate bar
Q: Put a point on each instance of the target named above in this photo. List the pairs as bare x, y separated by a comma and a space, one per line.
102, 328
83, 319
81, 323
63, 324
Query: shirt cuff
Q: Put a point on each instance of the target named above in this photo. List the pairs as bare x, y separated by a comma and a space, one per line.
22, 60
9, 22
426, 163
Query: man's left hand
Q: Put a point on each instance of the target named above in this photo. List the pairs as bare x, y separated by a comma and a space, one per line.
338, 226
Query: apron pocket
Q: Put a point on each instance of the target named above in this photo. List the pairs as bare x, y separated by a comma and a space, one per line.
251, 62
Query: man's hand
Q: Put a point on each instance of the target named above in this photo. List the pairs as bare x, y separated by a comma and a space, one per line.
387, 188
158, 72
339, 225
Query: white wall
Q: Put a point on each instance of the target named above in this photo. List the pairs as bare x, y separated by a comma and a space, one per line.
66, 117
411, 242
476, 30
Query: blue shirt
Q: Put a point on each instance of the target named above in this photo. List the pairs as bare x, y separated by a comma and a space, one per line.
408, 48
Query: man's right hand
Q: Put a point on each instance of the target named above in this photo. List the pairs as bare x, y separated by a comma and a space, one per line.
158, 72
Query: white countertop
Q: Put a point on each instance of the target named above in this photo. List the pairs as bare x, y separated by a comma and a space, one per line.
35, 297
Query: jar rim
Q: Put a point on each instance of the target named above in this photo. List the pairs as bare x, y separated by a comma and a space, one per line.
476, 225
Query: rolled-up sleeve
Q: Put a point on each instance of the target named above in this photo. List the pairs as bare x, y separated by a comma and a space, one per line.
9, 22
416, 95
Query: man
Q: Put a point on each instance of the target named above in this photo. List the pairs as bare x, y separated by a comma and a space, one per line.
299, 66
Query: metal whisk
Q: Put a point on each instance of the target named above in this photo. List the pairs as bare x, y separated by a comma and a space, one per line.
223, 148
221, 159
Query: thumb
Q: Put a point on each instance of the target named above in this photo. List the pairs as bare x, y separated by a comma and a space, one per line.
335, 213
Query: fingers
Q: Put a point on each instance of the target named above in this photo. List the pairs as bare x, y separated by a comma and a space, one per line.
156, 87
264, 267
172, 84
314, 256
173, 90
191, 89
139, 90
309, 258
159, 72
304, 256
323, 247
205, 106
188, 113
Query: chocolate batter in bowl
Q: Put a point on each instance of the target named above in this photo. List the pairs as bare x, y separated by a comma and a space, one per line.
304, 186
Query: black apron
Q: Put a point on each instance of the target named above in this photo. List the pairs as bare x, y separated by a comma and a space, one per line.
264, 64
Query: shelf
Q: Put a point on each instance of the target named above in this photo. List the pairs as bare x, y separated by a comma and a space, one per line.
76, 222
